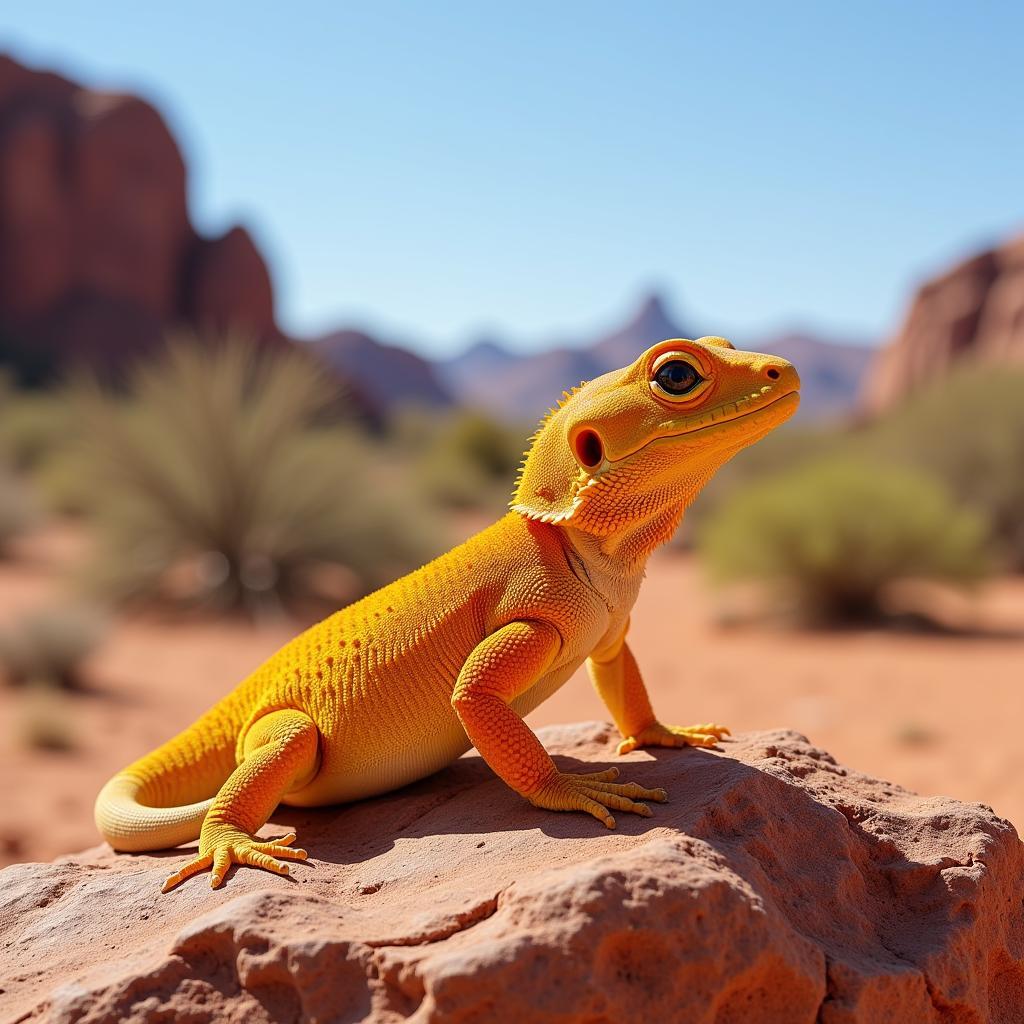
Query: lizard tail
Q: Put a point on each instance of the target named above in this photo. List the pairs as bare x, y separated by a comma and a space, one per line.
130, 825
161, 800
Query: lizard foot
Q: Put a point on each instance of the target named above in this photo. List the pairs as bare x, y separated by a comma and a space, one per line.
658, 735
233, 846
594, 794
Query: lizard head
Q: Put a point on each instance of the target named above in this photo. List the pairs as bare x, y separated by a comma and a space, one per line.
639, 443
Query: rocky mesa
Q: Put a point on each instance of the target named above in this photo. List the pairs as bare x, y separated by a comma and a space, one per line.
776, 885
98, 257
972, 313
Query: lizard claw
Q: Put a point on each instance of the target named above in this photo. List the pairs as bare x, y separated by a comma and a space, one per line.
233, 846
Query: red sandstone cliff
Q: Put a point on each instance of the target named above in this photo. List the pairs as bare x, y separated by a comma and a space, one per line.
97, 254
973, 312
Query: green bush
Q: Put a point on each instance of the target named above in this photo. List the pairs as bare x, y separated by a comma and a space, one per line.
968, 431
836, 533
495, 450
34, 426
49, 646
46, 720
792, 445
18, 511
38, 431
62, 485
471, 461
227, 478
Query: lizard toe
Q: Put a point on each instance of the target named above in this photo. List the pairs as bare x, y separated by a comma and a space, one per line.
658, 735
594, 795
193, 867
233, 846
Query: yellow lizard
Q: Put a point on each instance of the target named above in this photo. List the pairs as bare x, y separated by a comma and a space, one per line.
399, 684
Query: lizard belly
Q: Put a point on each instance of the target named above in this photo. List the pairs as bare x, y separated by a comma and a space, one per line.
364, 762
367, 756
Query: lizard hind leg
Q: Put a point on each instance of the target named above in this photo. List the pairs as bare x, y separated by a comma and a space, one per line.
281, 753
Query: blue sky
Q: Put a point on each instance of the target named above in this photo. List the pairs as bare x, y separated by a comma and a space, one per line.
438, 170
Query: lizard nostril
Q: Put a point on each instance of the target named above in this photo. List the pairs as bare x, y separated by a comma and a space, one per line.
773, 374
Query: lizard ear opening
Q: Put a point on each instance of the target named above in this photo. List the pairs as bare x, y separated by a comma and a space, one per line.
588, 448
548, 486
560, 460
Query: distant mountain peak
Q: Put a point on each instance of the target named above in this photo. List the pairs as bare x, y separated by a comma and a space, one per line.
392, 376
650, 323
486, 345
651, 316
519, 386
653, 306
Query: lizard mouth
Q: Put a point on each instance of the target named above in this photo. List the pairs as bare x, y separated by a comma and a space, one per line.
768, 398
741, 409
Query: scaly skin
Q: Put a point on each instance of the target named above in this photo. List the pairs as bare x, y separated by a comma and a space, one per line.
399, 684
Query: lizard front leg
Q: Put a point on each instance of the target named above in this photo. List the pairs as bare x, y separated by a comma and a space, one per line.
616, 678
280, 753
504, 665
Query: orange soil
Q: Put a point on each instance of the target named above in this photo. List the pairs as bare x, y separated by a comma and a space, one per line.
938, 714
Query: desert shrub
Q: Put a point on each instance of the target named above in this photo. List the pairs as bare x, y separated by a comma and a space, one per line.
835, 533
33, 427
792, 445
62, 485
48, 646
37, 440
968, 431
226, 477
471, 461
45, 721
494, 449
18, 510
413, 430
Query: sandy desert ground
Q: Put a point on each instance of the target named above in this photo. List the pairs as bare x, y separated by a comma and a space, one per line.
937, 713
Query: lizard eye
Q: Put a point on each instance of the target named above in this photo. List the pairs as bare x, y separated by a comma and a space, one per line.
677, 377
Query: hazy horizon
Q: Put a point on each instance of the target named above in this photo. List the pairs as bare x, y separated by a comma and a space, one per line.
595, 155
586, 334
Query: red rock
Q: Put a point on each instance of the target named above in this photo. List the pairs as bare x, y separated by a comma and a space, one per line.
36, 232
231, 287
97, 255
972, 313
127, 201
775, 885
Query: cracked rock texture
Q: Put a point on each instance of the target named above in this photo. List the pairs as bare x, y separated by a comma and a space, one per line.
775, 886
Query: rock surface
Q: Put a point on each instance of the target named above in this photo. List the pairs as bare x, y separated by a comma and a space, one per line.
775, 885
97, 254
973, 312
